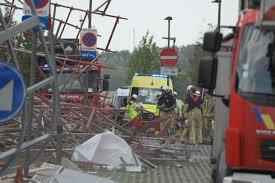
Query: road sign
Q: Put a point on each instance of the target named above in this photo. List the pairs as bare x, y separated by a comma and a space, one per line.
42, 7
43, 10
168, 57
88, 43
171, 71
45, 22
12, 92
38, 3
88, 54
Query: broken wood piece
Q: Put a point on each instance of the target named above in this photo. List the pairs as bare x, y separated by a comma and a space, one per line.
147, 162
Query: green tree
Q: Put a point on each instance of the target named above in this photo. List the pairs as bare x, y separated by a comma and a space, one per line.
120, 61
145, 58
9, 22
191, 74
23, 41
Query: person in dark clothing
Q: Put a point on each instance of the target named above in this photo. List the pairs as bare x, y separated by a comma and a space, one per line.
192, 111
166, 101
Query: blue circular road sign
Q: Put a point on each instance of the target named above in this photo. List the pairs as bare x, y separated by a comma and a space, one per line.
12, 92
89, 39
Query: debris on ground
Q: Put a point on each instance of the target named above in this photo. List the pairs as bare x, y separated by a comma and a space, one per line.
59, 174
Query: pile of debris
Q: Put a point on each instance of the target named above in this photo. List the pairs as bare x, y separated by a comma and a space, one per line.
109, 152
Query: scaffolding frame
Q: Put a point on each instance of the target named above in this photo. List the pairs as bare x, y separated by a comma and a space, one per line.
44, 119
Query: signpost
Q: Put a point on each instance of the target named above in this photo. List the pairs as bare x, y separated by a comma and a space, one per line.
12, 92
88, 43
168, 57
43, 10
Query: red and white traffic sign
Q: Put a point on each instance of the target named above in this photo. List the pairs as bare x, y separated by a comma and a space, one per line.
168, 57
42, 7
88, 39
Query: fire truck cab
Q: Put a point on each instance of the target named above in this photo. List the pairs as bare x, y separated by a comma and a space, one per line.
242, 76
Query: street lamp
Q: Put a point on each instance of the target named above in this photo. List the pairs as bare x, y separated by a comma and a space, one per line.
90, 14
219, 13
169, 20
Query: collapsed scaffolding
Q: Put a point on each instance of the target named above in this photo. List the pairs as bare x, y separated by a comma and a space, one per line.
47, 117
55, 118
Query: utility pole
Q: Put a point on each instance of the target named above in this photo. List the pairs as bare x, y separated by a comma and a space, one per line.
90, 14
87, 72
169, 29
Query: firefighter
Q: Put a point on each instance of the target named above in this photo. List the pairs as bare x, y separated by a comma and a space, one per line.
166, 104
188, 91
136, 107
166, 101
208, 107
192, 109
179, 117
179, 105
187, 124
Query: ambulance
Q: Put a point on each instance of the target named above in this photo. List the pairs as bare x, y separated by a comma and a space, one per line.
148, 89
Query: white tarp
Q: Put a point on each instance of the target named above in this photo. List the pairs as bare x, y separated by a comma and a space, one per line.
105, 148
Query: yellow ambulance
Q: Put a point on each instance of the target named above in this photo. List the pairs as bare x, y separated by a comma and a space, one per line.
148, 89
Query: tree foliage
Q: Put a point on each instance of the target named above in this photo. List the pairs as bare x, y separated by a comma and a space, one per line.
9, 22
145, 58
23, 41
191, 74
120, 61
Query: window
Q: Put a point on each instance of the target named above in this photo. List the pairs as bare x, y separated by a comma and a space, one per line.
147, 95
255, 66
69, 83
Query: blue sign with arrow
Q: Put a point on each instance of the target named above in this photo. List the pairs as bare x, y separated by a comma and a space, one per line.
44, 21
88, 54
12, 92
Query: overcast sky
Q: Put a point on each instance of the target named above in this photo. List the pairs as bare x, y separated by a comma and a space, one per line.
190, 19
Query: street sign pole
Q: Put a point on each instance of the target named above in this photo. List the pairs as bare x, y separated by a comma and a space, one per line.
90, 14
86, 85
168, 39
169, 33
169, 29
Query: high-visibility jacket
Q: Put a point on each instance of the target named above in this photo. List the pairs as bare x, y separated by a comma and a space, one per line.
180, 107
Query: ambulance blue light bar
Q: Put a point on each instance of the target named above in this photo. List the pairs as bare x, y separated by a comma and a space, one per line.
153, 75
159, 75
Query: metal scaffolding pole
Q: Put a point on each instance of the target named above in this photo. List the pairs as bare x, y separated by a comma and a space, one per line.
43, 113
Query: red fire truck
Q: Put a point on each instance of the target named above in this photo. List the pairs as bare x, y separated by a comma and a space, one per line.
242, 77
